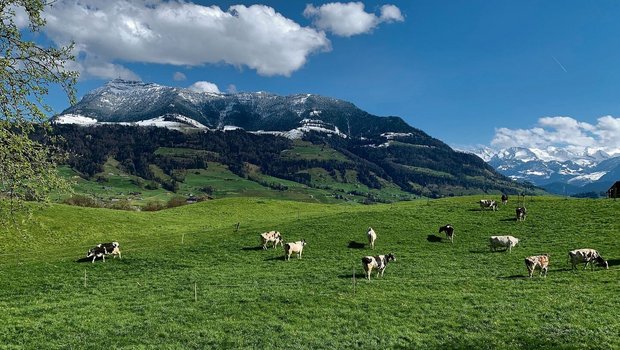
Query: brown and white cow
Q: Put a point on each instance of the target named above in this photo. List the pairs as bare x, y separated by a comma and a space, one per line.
378, 262
449, 230
295, 247
586, 256
488, 203
273, 237
531, 262
521, 213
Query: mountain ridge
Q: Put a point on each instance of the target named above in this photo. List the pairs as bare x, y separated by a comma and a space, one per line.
384, 148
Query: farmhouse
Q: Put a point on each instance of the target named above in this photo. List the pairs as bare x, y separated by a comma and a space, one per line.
614, 190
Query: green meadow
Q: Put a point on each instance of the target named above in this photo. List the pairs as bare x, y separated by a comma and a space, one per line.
190, 278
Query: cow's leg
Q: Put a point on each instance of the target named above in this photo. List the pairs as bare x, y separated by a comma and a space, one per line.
94, 257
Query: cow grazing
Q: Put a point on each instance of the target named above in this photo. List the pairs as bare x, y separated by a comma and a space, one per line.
273, 237
537, 260
449, 230
378, 262
504, 199
488, 203
372, 237
586, 256
503, 241
103, 249
521, 213
295, 247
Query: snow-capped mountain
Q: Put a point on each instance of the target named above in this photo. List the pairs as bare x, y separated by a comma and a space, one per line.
549, 168
121, 101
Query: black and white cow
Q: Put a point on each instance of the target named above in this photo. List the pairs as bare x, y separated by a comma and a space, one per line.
504, 199
103, 249
488, 203
521, 213
449, 230
378, 262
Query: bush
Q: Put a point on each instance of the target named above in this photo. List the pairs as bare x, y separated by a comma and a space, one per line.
122, 204
84, 201
176, 202
154, 206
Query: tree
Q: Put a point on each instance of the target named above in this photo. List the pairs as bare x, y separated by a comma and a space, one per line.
28, 157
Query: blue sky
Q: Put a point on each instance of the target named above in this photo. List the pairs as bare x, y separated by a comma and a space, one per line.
501, 73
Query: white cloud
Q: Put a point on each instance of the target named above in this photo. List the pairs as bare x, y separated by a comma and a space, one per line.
391, 13
232, 89
182, 33
553, 133
204, 86
179, 76
347, 19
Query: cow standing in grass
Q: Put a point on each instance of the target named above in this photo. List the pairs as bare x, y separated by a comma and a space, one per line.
273, 237
295, 247
504, 199
103, 249
531, 262
503, 242
372, 237
586, 256
521, 213
488, 203
378, 262
449, 230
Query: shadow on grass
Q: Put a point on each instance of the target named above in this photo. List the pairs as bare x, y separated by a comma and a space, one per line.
513, 277
434, 239
358, 276
613, 262
487, 250
252, 248
281, 258
508, 219
356, 245
84, 260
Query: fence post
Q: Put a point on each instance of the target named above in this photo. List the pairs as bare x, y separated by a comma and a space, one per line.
353, 281
84, 278
182, 237
195, 293
237, 227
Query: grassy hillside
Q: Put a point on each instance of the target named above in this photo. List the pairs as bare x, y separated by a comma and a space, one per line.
188, 279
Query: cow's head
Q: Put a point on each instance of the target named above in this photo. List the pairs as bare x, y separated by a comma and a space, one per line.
90, 252
303, 242
390, 257
602, 262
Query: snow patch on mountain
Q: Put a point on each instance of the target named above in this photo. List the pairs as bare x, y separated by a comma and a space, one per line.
74, 119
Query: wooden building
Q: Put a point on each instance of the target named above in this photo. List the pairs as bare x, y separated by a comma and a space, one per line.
614, 190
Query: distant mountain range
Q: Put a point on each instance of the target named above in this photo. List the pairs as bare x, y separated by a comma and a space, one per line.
556, 170
383, 149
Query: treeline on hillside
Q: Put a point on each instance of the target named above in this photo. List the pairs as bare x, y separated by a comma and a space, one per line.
420, 166
135, 148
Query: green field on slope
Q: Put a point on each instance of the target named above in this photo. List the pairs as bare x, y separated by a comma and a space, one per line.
189, 279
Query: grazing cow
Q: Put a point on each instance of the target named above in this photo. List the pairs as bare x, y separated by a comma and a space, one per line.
586, 256
379, 262
537, 260
273, 237
296, 247
488, 203
521, 213
503, 241
372, 237
504, 199
103, 249
449, 230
